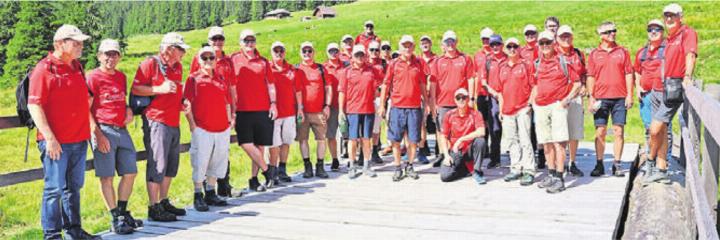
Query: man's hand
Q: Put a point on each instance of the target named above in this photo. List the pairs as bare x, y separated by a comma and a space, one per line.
456, 146
53, 148
128, 117
273, 111
565, 103
103, 144
165, 88
326, 112
628, 102
381, 112
687, 81
591, 105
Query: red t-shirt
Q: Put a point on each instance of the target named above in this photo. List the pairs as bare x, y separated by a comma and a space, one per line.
480, 58
359, 86
518, 80
223, 66
251, 84
451, 74
310, 83
164, 108
285, 88
529, 52
609, 69
209, 97
60, 90
378, 63
455, 126
365, 40
552, 84
331, 76
678, 46
109, 91
649, 69
492, 74
404, 80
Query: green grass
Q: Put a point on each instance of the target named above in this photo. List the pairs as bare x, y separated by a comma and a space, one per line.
19, 204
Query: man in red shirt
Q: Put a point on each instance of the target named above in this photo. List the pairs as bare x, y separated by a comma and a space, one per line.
575, 59
256, 107
357, 94
516, 83
405, 85
288, 99
160, 76
207, 96
556, 86
62, 117
377, 61
112, 146
316, 96
529, 52
489, 81
429, 58
463, 130
610, 84
680, 56
333, 67
453, 70
347, 43
368, 35
223, 65
386, 52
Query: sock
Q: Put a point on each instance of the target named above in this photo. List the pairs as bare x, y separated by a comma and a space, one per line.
551, 172
198, 190
306, 160
663, 170
122, 206
335, 160
320, 160
282, 166
210, 188
598, 161
398, 167
366, 164
560, 176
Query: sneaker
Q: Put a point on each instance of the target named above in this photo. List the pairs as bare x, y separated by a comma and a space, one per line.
255, 186
172, 209
479, 179
79, 233
617, 169
575, 171
320, 170
398, 174
493, 164
308, 170
212, 199
656, 176
353, 172
410, 172
157, 213
599, 170
119, 223
283, 177
369, 172
422, 159
546, 182
647, 167
527, 179
199, 203
52, 236
512, 176
439, 160
335, 166
135, 223
557, 186
269, 175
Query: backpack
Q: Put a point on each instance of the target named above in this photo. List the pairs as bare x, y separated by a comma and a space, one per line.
138, 103
322, 75
661, 56
563, 65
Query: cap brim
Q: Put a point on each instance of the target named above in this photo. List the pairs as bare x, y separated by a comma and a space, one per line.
183, 46
80, 38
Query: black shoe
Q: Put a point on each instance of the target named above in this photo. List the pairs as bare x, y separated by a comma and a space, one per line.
616, 170
119, 223
335, 166
283, 177
223, 188
439, 160
425, 151
376, 156
212, 199
172, 209
599, 170
79, 233
493, 164
320, 169
308, 170
199, 203
255, 185
135, 223
410, 172
575, 171
398, 175
157, 213
269, 175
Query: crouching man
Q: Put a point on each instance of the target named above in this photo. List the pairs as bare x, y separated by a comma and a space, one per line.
464, 132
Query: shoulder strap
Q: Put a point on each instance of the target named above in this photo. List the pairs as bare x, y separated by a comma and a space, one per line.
537, 68
563, 65
643, 57
487, 65
161, 67
580, 56
322, 75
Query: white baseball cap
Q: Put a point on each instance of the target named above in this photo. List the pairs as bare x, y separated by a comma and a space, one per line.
406, 38
448, 35
425, 37
529, 27
216, 31
358, 48
547, 35
369, 22
306, 44
512, 40
346, 36
564, 29
461, 91
246, 33
385, 43
206, 49
374, 44
70, 31
673, 8
332, 46
174, 39
486, 32
657, 22
277, 44
109, 45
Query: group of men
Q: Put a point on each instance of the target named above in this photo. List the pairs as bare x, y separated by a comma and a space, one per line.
525, 96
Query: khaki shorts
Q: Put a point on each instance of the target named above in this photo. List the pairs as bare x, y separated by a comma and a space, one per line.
551, 123
315, 121
576, 119
284, 131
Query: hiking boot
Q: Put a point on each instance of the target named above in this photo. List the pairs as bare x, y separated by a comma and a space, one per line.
599, 170
547, 181
269, 175
512, 176
255, 186
422, 159
283, 177
493, 164
172, 209
335, 166
647, 167
398, 175
135, 223
575, 171
320, 169
212, 199
439, 160
119, 223
527, 179
199, 203
410, 172
157, 213
369, 172
353, 172
656, 176
375, 156
557, 186
79, 233
617, 169
424, 151
479, 179
308, 170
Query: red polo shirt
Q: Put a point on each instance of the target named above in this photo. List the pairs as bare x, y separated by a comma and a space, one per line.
516, 83
331, 76
492, 75
684, 41
109, 91
310, 83
455, 126
209, 97
451, 74
365, 39
253, 77
609, 69
285, 87
574, 60
480, 58
60, 90
649, 69
552, 84
529, 52
164, 108
404, 80
359, 86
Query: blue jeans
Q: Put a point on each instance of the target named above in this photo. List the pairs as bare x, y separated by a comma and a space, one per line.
64, 178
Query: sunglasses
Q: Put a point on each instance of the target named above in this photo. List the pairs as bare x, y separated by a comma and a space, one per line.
208, 58
449, 41
279, 50
333, 51
248, 41
385, 48
511, 47
369, 26
217, 38
373, 49
307, 51
669, 15
608, 32
359, 55
654, 30
461, 98
545, 43
495, 44
530, 33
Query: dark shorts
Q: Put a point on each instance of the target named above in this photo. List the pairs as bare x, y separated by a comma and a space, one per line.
404, 120
332, 124
660, 110
614, 108
360, 125
122, 156
164, 150
254, 127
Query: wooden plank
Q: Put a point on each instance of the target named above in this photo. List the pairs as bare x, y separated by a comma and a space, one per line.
703, 215
10, 122
706, 108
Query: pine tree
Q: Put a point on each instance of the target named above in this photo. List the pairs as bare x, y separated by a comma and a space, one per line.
31, 41
7, 25
243, 8
257, 9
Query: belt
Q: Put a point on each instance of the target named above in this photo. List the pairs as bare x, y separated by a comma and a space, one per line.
112, 126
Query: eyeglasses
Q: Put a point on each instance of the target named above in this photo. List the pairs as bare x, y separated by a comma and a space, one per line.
545, 43
449, 41
608, 32
373, 49
333, 51
359, 55
461, 98
279, 50
669, 15
385, 48
654, 30
217, 38
495, 44
249, 41
369, 26
208, 58
530, 33
307, 51
511, 47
